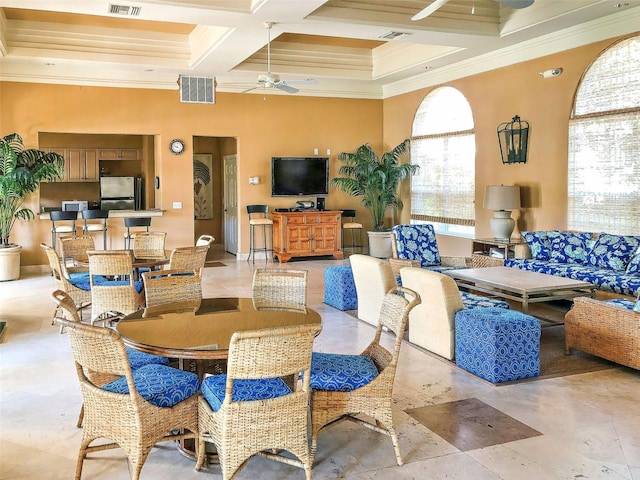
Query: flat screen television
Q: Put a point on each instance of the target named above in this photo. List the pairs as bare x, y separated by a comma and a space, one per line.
299, 176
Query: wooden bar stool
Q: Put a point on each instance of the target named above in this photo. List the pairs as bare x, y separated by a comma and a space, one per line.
258, 218
349, 224
99, 226
62, 222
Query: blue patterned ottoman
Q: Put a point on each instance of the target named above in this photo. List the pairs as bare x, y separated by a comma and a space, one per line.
498, 345
339, 288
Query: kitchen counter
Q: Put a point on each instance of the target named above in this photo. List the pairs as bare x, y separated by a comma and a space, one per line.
120, 214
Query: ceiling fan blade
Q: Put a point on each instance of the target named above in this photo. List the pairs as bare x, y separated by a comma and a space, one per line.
516, 3
306, 81
285, 88
249, 89
425, 12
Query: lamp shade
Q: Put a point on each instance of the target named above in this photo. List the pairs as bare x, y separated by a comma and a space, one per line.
502, 197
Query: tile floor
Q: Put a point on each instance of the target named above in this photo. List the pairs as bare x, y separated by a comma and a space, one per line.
582, 426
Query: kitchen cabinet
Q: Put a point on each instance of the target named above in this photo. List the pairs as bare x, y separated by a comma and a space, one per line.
307, 234
120, 154
80, 164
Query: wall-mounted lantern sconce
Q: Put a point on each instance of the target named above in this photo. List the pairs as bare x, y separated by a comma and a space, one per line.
513, 138
254, 180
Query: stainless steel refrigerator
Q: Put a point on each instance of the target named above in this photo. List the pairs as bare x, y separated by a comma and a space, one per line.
121, 193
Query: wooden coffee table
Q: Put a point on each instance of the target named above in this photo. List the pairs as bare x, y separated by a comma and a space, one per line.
520, 285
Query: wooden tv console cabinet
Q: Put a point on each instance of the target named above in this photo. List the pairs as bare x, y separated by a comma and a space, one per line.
307, 234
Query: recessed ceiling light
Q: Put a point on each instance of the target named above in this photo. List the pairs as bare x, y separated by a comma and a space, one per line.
50, 64
621, 5
149, 70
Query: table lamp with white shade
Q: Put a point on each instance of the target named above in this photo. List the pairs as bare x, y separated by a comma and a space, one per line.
502, 199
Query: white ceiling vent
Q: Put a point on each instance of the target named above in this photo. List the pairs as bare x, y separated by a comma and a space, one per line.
197, 89
124, 10
394, 35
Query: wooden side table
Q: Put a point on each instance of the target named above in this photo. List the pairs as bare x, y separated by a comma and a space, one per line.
481, 249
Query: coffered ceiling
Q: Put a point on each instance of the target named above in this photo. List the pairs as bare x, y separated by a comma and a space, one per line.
350, 48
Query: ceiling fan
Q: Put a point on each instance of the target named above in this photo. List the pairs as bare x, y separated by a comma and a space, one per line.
436, 4
272, 80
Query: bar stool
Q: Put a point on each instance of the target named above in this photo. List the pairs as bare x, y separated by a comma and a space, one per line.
69, 226
100, 226
136, 222
351, 225
258, 218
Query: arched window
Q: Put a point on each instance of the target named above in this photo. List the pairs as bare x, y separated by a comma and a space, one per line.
443, 144
604, 144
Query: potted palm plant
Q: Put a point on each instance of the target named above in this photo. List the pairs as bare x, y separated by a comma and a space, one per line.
376, 180
21, 170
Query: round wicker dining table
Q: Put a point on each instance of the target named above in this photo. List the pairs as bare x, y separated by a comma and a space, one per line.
200, 338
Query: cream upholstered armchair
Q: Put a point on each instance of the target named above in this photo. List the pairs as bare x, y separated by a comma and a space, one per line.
432, 323
373, 278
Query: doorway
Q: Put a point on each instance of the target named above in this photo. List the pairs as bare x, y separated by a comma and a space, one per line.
210, 192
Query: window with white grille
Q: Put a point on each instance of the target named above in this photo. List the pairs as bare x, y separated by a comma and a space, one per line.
443, 144
604, 144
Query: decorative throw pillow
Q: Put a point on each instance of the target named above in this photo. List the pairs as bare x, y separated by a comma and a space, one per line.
633, 267
613, 251
539, 244
417, 242
569, 247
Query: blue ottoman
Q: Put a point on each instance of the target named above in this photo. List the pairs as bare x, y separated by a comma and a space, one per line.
498, 345
339, 288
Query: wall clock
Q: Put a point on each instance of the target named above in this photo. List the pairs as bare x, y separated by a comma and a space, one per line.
176, 146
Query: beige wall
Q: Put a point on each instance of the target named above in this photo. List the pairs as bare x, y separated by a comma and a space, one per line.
263, 127
496, 97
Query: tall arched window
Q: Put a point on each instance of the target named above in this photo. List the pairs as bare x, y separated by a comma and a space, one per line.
443, 144
604, 144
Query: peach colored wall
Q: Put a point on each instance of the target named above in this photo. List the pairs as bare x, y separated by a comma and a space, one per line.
495, 97
263, 126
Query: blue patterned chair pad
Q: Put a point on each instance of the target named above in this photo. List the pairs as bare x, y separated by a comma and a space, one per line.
621, 303
159, 385
139, 359
244, 390
342, 373
82, 281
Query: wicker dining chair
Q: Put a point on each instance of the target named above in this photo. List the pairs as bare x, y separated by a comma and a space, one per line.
148, 245
77, 286
364, 384
250, 409
279, 288
74, 252
188, 258
172, 287
113, 290
140, 408
136, 359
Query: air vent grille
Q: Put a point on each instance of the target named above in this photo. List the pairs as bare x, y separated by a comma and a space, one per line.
394, 35
125, 10
197, 89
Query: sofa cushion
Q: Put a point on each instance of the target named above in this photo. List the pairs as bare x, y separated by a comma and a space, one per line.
539, 244
569, 247
613, 251
633, 267
417, 242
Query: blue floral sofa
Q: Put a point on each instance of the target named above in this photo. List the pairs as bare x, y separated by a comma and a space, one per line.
610, 262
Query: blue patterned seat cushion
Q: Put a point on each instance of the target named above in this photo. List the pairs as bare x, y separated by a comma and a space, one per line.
569, 247
138, 284
342, 373
417, 242
471, 300
139, 359
81, 280
159, 385
613, 251
604, 279
622, 303
244, 390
